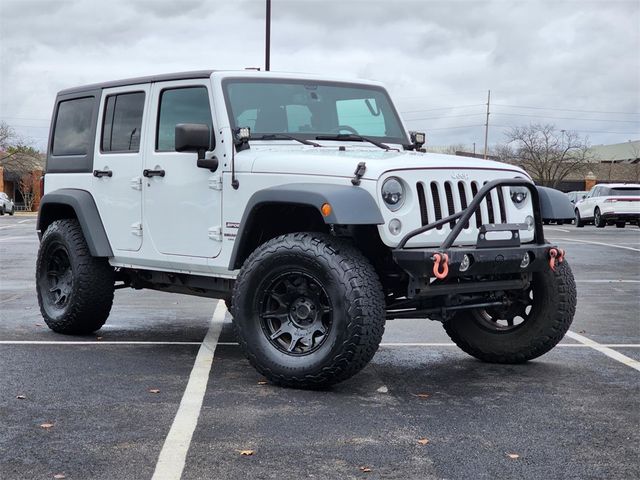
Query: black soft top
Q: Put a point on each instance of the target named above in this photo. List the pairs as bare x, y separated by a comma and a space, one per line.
137, 80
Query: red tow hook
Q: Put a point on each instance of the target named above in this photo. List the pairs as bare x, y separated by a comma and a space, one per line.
437, 258
555, 255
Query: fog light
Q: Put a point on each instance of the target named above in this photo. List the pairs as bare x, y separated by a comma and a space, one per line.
465, 263
530, 222
526, 260
395, 226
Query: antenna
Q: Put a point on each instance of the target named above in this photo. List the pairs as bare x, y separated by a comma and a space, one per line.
267, 46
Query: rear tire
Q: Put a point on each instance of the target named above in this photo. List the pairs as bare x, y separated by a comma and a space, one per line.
579, 221
1, 210
13, 210
75, 290
309, 310
597, 219
551, 313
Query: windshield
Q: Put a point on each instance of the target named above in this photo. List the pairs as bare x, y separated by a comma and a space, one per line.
308, 109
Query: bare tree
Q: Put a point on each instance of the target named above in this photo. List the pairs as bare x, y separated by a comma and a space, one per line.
26, 188
547, 154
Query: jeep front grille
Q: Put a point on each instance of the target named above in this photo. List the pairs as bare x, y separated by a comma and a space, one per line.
441, 199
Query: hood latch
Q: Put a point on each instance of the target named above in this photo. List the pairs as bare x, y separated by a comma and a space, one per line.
360, 169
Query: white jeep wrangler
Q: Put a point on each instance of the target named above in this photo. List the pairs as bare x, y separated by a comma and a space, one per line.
303, 203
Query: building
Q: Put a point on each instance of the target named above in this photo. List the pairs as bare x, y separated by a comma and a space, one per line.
20, 178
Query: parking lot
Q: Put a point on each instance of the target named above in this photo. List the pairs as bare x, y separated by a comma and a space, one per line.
122, 403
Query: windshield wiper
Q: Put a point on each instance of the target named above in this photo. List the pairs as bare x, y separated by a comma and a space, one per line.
284, 136
353, 136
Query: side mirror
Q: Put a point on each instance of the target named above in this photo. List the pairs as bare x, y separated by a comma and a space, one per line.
583, 197
195, 137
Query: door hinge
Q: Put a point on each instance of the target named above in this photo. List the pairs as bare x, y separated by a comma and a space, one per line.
215, 182
136, 183
215, 233
136, 229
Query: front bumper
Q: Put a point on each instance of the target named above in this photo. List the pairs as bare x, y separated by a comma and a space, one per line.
498, 250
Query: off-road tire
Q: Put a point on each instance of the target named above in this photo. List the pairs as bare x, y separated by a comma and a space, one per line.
598, 221
92, 281
551, 316
579, 221
351, 285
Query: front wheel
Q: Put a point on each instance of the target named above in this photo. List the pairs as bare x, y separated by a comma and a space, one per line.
533, 324
75, 290
309, 310
579, 221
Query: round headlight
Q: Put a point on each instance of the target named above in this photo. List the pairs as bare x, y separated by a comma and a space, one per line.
519, 196
393, 193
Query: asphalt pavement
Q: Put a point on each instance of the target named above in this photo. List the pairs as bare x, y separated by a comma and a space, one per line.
117, 404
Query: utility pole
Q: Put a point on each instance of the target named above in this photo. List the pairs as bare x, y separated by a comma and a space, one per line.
474, 148
267, 46
486, 125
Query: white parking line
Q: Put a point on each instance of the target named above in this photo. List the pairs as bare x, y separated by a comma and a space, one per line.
33, 237
556, 229
629, 362
598, 243
235, 344
25, 221
174, 451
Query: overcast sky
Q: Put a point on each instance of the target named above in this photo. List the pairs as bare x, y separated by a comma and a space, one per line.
572, 63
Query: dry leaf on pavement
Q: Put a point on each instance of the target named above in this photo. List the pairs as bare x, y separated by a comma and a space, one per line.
423, 441
365, 469
246, 452
46, 425
422, 395
513, 455
21, 397
59, 475
262, 382
154, 390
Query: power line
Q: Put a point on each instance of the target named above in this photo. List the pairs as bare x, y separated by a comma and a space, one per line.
564, 109
567, 118
445, 116
445, 108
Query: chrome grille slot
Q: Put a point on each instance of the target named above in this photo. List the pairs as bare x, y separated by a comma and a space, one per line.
435, 199
422, 200
450, 205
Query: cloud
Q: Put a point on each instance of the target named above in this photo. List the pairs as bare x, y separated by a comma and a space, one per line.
568, 55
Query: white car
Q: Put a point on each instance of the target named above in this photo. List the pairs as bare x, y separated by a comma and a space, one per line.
306, 205
6, 204
608, 204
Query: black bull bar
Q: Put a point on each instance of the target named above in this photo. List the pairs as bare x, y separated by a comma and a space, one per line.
487, 257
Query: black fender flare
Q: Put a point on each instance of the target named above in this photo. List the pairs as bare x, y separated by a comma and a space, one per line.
555, 205
350, 205
56, 205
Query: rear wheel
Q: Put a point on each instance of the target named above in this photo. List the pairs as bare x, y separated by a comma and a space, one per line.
2, 210
75, 290
597, 219
309, 310
579, 221
533, 324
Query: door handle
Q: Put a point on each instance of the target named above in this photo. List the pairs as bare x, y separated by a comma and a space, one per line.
152, 173
102, 173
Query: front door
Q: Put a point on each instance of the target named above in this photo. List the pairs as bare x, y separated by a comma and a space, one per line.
116, 182
182, 203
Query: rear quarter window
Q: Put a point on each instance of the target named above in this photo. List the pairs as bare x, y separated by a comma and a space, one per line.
72, 128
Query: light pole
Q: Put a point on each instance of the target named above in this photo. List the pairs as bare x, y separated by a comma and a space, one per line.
267, 43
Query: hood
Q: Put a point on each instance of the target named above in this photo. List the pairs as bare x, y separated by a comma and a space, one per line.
330, 161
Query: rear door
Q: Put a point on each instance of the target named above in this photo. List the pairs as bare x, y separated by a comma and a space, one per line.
182, 207
116, 181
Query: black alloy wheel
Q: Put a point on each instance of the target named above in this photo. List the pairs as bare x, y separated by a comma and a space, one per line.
296, 313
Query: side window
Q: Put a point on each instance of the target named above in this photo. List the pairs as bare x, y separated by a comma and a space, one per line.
181, 105
72, 130
122, 122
